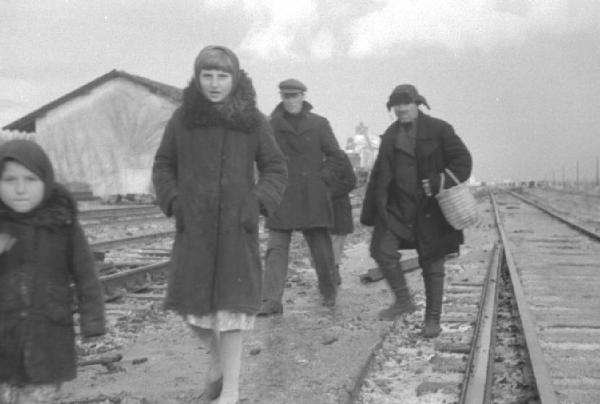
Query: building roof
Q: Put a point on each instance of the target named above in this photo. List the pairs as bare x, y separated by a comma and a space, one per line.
27, 122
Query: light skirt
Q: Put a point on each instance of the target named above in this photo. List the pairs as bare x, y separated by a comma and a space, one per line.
222, 320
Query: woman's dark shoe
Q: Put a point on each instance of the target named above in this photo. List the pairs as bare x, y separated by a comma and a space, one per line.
329, 301
336, 275
213, 389
269, 308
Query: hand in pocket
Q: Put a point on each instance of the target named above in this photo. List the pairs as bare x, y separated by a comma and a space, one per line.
249, 214
177, 213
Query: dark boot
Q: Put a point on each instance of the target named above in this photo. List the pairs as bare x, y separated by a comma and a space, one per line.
403, 303
434, 293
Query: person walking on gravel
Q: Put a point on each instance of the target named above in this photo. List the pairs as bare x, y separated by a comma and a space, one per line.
204, 175
45, 264
307, 140
400, 202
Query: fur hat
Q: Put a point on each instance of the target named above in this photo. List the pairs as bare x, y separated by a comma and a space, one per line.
405, 94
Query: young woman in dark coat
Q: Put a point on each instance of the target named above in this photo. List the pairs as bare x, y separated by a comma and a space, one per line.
43, 250
204, 176
400, 201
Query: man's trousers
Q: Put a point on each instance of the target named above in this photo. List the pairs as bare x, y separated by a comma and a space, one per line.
276, 261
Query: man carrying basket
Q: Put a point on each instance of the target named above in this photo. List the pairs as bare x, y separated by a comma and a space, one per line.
401, 204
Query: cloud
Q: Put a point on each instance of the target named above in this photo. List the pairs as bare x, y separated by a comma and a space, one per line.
321, 29
277, 26
459, 24
322, 45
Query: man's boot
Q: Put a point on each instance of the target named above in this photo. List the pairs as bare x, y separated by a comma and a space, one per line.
336, 275
434, 293
403, 303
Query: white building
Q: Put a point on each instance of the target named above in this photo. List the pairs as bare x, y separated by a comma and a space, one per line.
104, 133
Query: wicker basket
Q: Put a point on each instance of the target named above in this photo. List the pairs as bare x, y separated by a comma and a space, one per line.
457, 203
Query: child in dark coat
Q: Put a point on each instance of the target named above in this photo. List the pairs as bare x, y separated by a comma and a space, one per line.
43, 250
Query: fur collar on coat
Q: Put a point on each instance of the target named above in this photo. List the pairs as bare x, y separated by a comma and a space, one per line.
238, 112
60, 209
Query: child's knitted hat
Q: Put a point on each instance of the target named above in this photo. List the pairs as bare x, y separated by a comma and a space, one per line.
32, 156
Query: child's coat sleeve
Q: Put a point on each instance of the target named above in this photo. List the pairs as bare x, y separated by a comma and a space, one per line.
90, 296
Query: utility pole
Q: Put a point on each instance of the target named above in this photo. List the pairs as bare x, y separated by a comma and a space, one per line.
597, 172
577, 174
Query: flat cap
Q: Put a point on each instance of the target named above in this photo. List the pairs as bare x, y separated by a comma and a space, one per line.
292, 86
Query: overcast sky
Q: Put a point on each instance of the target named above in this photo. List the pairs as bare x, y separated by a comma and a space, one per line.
518, 79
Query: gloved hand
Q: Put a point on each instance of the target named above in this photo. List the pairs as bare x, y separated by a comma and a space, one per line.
177, 213
249, 214
6, 242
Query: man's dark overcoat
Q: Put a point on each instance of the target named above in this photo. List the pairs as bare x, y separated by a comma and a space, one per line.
341, 180
51, 253
206, 162
437, 147
306, 203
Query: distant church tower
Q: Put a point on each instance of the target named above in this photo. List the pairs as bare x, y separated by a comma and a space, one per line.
361, 147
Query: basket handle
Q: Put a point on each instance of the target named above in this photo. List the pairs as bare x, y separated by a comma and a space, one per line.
451, 174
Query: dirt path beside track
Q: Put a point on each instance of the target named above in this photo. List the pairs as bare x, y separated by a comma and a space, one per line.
309, 355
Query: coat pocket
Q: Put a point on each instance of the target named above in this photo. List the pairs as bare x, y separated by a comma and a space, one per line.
59, 305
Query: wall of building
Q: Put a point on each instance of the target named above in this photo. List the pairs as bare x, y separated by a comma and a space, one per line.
107, 137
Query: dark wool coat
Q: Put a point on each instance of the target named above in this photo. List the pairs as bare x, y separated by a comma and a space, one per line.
37, 339
205, 163
341, 180
306, 203
437, 147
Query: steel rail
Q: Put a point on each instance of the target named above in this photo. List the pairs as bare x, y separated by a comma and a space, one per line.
106, 213
590, 233
100, 245
141, 219
122, 278
541, 373
476, 386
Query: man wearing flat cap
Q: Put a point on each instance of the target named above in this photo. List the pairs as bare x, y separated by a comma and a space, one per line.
306, 139
400, 202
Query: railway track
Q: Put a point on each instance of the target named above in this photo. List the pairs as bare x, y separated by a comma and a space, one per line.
520, 320
554, 270
531, 312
